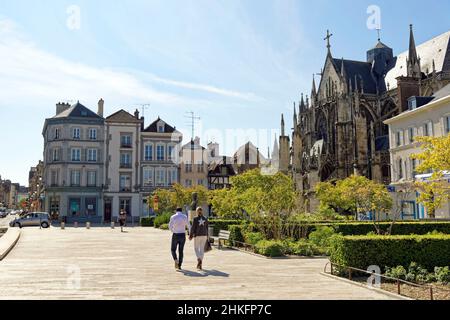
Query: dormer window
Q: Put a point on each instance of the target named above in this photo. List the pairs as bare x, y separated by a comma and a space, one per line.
160, 127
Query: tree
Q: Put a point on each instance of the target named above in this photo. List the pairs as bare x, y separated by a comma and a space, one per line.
179, 196
435, 158
267, 200
356, 194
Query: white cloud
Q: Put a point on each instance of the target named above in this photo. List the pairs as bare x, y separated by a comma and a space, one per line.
28, 73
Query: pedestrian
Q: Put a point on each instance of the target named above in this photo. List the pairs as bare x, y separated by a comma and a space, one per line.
199, 233
122, 219
178, 224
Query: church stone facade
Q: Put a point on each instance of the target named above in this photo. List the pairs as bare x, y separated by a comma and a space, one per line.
339, 130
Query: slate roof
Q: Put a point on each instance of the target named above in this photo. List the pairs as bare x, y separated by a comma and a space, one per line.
153, 127
360, 70
77, 111
444, 92
122, 116
437, 49
193, 146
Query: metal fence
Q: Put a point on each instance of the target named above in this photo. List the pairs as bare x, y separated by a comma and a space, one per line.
395, 285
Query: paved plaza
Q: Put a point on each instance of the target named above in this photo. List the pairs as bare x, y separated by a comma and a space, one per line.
102, 263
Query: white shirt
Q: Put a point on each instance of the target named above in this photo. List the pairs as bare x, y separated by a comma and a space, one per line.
179, 222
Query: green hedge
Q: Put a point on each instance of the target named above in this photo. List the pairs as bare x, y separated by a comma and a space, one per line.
164, 226
362, 251
399, 228
363, 228
236, 234
147, 221
219, 224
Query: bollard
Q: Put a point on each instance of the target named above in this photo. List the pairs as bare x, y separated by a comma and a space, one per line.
88, 225
63, 225
112, 225
75, 224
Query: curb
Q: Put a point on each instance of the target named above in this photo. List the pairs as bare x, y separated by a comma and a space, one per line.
8, 241
391, 294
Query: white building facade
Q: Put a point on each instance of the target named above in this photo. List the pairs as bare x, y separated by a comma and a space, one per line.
122, 174
427, 116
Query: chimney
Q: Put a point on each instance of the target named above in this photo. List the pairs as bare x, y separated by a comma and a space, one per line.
136, 114
61, 107
142, 123
224, 160
407, 87
101, 104
197, 141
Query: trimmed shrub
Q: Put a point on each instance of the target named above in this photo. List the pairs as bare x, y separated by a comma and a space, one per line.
219, 224
364, 251
399, 228
236, 235
161, 219
147, 221
270, 248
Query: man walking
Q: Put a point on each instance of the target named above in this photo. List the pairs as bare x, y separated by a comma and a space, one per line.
199, 232
178, 224
122, 219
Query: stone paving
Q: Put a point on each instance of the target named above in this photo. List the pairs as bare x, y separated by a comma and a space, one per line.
102, 263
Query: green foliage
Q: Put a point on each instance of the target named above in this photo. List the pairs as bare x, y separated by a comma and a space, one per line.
356, 194
265, 199
270, 248
164, 226
442, 274
398, 272
363, 251
178, 196
321, 236
435, 156
236, 235
147, 221
253, 237
304, 248
162, 219
399, 228
219, 224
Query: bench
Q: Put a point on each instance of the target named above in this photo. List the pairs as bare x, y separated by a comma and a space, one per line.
223, 236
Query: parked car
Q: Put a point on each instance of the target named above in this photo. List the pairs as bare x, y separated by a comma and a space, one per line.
3, 214
32, 219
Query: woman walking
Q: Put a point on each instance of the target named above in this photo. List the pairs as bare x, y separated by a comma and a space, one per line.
199, 232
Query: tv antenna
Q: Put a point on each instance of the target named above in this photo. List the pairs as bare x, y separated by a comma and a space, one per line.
144, 106
192, 121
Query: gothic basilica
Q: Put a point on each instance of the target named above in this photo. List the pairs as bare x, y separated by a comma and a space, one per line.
339, 130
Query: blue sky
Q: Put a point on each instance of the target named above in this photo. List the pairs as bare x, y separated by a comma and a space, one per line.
237, 64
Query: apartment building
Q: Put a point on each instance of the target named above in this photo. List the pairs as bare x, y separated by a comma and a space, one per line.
427, 116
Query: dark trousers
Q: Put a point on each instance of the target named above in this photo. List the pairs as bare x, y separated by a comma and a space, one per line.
178, 240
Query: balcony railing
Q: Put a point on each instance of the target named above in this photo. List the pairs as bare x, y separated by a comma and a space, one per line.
125, 166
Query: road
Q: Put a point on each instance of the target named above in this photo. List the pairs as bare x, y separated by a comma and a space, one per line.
102, 263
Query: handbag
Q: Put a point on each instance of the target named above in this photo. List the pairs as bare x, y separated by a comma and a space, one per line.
208, 246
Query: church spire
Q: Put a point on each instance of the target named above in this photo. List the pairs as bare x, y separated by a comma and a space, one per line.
282, 125
413, 62
313, 90
295, 118
302, 105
